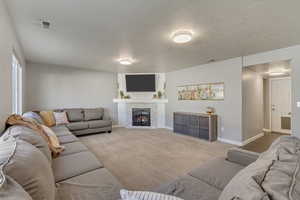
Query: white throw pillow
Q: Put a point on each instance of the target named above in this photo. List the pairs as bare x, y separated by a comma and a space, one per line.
61, 118
144, 195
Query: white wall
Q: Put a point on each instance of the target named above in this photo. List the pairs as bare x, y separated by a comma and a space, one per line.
229, 110
253, 103
8, 44
50, 87
160, 81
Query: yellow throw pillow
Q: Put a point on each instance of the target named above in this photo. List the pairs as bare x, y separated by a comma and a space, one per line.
48, 118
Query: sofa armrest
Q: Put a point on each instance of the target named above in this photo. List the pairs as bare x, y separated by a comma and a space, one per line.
241, 156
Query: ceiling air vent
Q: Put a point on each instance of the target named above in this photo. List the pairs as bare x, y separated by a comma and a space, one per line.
45, 24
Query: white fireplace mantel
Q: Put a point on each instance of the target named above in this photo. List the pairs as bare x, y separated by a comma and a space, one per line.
140, 100
157, 107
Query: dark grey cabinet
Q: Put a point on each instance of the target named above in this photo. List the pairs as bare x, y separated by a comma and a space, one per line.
198, 125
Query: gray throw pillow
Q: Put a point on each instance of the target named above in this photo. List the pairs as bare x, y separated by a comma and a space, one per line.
28, 167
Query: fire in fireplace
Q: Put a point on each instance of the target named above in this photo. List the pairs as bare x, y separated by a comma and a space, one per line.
141, 117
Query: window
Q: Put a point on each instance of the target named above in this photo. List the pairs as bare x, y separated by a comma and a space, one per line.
16, 86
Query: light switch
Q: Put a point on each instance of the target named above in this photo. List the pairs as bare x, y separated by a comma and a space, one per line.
298, 104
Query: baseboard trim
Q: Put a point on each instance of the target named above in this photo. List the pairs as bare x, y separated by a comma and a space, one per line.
117, 126
169, 128
253, 138
267, 130
230, 141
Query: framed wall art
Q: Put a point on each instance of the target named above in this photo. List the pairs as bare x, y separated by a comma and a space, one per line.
205, 91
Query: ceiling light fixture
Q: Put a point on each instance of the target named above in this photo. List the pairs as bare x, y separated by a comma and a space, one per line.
277, 73
125, 61
182, 36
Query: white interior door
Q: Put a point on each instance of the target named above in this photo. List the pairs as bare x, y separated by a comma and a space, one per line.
280, 102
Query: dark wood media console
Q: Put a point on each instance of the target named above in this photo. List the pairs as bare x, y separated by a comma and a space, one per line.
198, 125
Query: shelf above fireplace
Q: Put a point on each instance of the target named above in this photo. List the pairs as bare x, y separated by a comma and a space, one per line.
140, 100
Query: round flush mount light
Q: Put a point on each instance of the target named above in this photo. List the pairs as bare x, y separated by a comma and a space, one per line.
182, 36
125, 61
277, 73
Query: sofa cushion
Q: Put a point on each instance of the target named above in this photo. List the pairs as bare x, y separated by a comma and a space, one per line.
28, 167
11, 190
217, 172
67, 139
95, 185
73, 147
99, 123
33, 115
30, 136
241, 156
48, 118
75, 114
92, 130
274, 174
61, 130
190, 188
72, 165
93, 114
74, 126
282, 179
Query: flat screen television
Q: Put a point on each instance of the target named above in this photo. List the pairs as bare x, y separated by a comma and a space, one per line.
140, 83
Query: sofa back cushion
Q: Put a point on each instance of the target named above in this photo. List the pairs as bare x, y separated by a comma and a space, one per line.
28, 167
93, 114
75, 114
274, 175
28, 135
11, 190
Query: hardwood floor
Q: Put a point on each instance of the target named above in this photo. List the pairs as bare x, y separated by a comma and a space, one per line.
146, 158
262, 144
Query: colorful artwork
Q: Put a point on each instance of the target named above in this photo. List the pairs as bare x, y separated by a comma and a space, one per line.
207, 91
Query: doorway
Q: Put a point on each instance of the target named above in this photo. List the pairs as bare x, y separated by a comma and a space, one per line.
266, 91
280, 102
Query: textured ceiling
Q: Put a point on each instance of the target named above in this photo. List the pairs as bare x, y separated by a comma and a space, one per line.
95, 33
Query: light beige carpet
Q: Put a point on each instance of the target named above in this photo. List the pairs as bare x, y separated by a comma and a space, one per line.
146, 158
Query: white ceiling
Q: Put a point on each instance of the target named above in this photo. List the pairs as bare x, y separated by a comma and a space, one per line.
95, 33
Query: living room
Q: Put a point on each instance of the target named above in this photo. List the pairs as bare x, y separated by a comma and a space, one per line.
158, 87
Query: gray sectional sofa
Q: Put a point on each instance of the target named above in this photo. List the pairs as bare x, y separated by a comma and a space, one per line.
87, 121
75, 174
244, 175
208, 181
78, 175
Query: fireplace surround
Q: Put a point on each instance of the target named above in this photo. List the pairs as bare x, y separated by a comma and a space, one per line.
157, 111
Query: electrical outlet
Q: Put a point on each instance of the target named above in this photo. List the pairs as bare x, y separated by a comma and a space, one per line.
298, 104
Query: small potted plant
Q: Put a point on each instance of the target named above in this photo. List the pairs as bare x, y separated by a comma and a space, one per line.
159, 94
121, 94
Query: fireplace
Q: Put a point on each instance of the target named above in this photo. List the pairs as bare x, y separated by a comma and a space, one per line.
141, 117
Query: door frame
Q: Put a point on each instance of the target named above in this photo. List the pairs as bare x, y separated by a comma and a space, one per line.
270, 98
